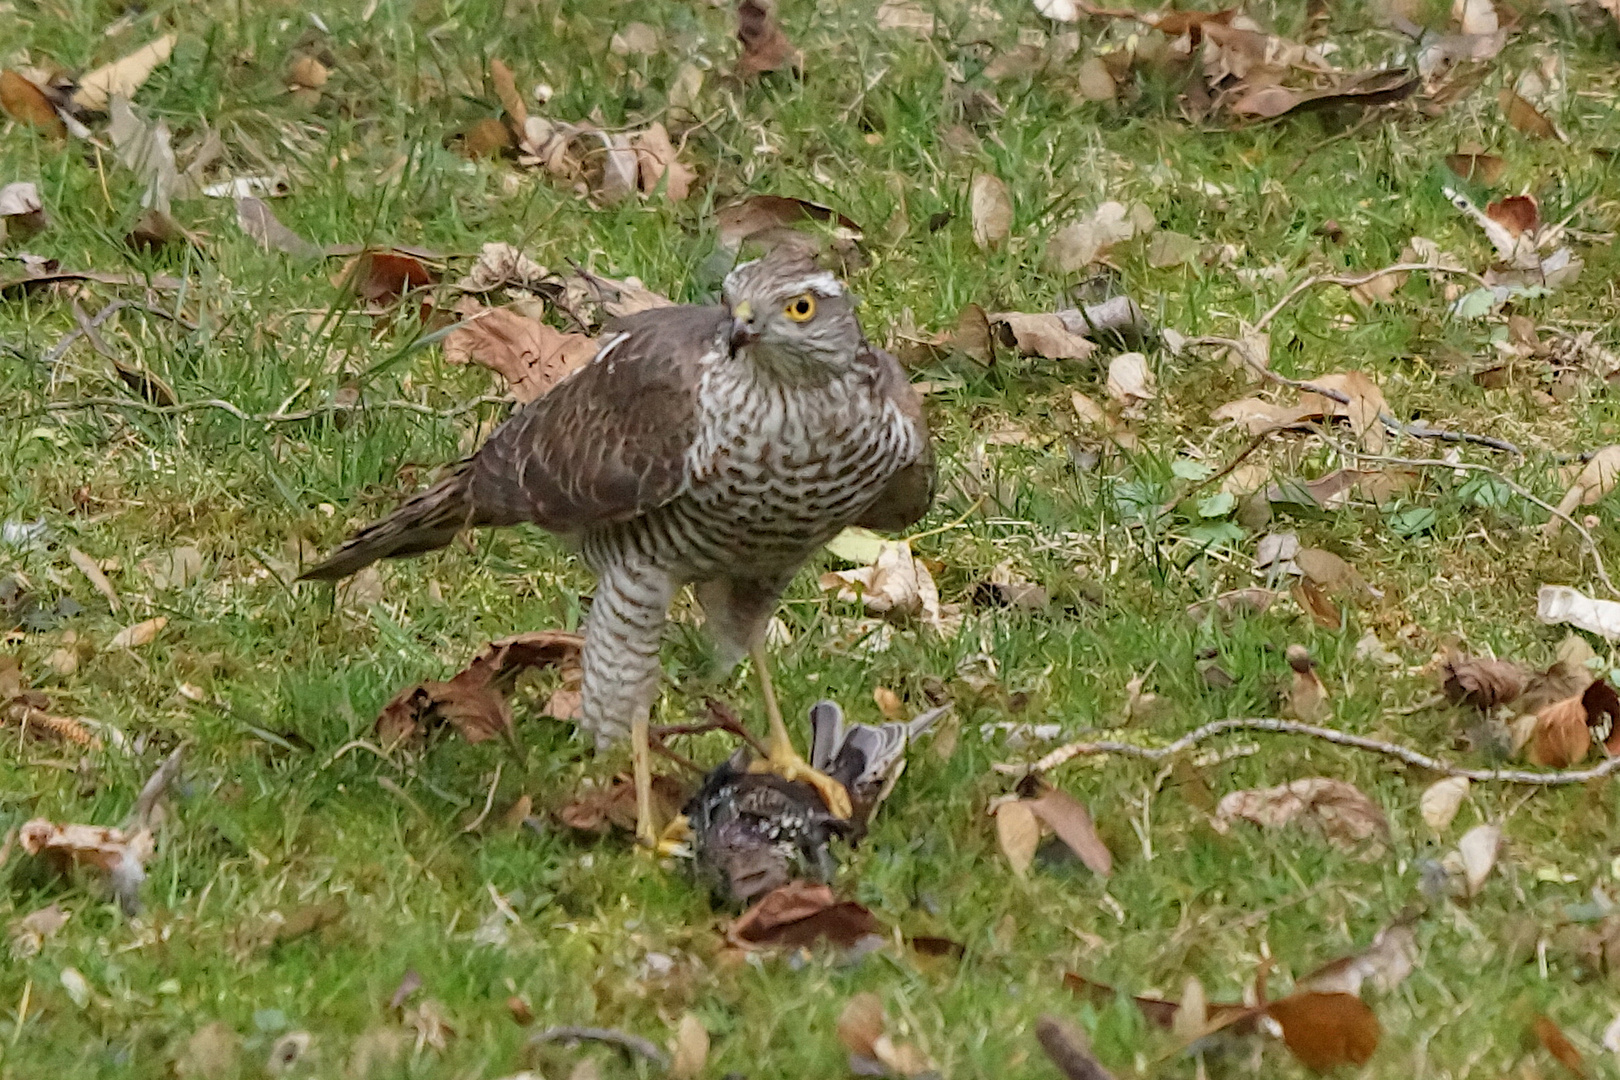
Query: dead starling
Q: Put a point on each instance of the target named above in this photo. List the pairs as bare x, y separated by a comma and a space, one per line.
752, 832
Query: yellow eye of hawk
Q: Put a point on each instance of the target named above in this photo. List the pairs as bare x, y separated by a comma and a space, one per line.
801, 308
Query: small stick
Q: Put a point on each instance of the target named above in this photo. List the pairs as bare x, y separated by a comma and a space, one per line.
1293, 727
1362, 279
261, 418
1254, 444
153, 790
1587, 540
489, 801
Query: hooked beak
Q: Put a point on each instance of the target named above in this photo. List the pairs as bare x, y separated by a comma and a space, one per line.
742, 327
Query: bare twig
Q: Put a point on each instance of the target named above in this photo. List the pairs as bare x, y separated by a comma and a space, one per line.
1226, 470
55, 353
630, 1044
153, 790
1350, 282
1343, 738
262, 418
489, 802
1400, 427
1587, 540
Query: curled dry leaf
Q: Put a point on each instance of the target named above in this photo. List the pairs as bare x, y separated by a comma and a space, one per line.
598, 809
474, 700
1561, 604
861, 1024
118, 854
27, 104
1080, 243
1362, 409
765, 46
1343, 812
124, 76
1482, 168
1441, 800
1595, 481
1364, 88
1480, 681
991, 209
529, 355
800, 914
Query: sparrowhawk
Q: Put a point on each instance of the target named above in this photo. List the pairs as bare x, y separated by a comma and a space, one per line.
717, 446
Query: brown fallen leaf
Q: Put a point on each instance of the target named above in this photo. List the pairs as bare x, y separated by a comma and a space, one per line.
118, 854
1518, 214
483, 138
1048, 335
1066, 1044
382, 277
1524, 116
616, 297
529, 355
259, 221
799, 915
92, 572
123, 76
29, 933
1480, 681
141, 633
28, 104
991, 210
1307, 697
1069, 818
1345, 815
1362, 409
1556, 1043
474, 701
599, 809
765, 46
1325, 1031
656, 157
1482, 168
1364, 88
306, 72
758, 215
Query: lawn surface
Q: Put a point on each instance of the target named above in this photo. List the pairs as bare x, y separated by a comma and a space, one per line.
301, 873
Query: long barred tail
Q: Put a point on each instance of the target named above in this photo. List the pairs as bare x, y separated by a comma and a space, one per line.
425, 522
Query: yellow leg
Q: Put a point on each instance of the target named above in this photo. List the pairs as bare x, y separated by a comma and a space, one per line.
641, 756
675, 835
783, 759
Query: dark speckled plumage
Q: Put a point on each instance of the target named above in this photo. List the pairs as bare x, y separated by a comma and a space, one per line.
753, 831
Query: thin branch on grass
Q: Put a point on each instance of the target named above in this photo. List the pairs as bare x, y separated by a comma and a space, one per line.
1226, 470
1350, 282
489, 802
1342, 738
1587, 540
633, 1045
262, 418
154, 789
55, 353
1400, 427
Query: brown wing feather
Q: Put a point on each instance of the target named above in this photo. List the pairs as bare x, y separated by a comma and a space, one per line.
910, 491
609, 442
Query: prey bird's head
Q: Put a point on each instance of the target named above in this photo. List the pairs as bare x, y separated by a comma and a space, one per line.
792, 318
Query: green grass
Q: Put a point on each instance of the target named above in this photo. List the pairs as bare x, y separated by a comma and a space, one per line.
279, 813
